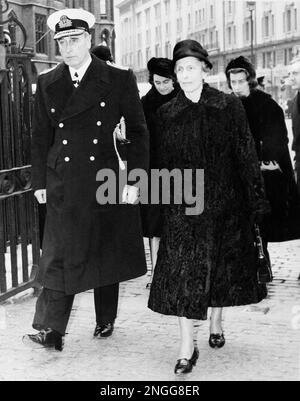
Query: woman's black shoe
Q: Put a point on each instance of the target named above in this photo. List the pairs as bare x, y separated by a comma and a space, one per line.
184, 366
217, 340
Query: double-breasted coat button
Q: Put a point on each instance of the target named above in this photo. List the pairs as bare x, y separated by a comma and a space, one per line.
95, 141
61, 125
99, 123
52, 111
102, 104
67, 159
92, 158
65, 142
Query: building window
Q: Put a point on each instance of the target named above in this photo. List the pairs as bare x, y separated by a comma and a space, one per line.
103, 9
288, 55
41, 34
229, 37
147, 12
289, 20
148, 53
266, 26
157, 51
178, 5
269, 59
247, 28
90, 6
57, 52
140, 59
168, 50
70, 4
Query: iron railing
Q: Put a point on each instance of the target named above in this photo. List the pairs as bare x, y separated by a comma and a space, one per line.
19, 233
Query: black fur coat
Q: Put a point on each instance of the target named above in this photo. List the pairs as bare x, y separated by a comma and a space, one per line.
209, 259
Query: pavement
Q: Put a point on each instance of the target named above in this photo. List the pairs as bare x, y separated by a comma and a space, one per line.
263, 341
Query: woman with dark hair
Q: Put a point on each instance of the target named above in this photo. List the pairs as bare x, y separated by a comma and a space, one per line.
209, 259
267, 124
164, 89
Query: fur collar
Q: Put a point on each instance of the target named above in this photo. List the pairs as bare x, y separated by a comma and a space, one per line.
210, 97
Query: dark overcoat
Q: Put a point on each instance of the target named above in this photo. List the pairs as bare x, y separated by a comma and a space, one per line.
152, 101
296, 126
296, 135
267, 124
209, 259
87, 245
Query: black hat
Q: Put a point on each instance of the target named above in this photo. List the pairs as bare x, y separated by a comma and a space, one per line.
161, 66
241, 63
102, 52
260, 81
190, 48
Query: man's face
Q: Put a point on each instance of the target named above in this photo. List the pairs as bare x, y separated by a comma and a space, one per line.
239, 84
190, 75
163, 85
75, 50
295, 75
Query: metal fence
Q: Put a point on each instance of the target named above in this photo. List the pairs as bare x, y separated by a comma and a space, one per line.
19, 233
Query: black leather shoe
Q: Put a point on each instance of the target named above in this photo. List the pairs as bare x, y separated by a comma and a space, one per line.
217, 340
46, 338
185, 366
104, 330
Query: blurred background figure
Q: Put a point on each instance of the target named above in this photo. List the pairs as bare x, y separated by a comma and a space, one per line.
163, 89
295, 114
260, 83
103, 53
267, 124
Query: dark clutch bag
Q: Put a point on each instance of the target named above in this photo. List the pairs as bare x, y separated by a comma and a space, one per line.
264, 270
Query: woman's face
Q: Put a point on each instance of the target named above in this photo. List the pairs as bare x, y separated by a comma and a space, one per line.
163, 85
190, 74
240, 84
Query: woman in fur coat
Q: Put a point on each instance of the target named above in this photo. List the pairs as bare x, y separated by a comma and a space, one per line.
208, 259
164, 88
267, 124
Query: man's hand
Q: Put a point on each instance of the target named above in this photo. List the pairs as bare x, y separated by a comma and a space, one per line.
41, 196
130, 194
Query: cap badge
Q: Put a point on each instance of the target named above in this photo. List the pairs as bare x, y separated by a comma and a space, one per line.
64, 22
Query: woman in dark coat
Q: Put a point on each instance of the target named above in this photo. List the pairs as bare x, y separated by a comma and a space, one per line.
207, 260
267, 125
164, 88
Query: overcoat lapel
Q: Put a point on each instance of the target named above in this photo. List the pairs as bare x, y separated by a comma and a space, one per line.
94, 87
60, 89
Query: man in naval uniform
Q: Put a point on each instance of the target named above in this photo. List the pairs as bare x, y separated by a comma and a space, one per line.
86, 244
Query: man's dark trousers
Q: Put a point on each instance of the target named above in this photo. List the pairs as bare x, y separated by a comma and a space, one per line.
53, 308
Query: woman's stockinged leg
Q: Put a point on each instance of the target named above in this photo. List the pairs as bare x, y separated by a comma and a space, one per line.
216, 321
187, 338
154, 246
216, 338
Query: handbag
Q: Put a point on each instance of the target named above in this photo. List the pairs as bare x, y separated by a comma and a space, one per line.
264, 270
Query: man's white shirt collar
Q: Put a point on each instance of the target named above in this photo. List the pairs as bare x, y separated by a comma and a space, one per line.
81, 71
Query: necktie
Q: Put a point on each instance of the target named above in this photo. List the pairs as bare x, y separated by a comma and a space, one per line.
76, 81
